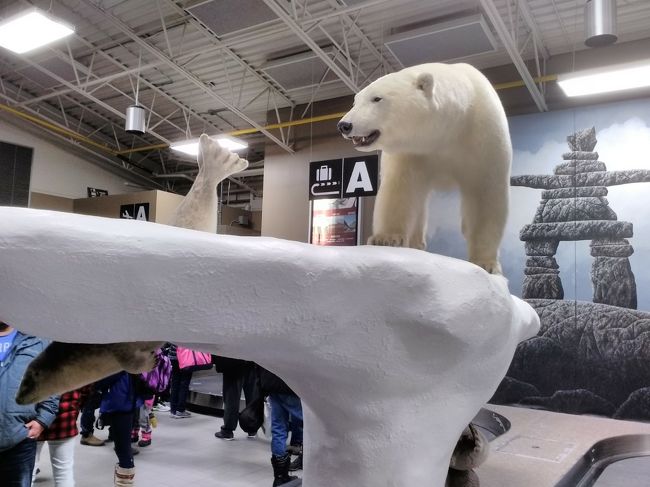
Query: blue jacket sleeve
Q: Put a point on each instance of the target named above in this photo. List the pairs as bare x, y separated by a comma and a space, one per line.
46, 410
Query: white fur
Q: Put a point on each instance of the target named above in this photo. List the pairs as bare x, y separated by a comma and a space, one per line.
198, 210
441, 126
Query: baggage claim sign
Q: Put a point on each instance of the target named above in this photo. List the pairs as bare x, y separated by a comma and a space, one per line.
334, 188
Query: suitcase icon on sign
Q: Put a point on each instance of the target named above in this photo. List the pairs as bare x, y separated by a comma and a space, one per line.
324, 173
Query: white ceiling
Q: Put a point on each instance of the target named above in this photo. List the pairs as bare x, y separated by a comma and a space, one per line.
223, 65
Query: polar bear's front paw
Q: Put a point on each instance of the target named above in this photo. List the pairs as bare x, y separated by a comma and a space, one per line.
388, 240
216, 161
234, 164
492, 266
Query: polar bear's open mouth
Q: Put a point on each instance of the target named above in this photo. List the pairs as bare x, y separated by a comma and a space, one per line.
366, 140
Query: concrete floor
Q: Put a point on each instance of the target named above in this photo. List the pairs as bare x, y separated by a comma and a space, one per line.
183, 452
538, 450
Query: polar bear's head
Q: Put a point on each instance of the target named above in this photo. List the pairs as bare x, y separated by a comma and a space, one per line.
384, 106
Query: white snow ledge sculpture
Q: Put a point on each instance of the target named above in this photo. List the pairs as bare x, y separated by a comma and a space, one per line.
392, 350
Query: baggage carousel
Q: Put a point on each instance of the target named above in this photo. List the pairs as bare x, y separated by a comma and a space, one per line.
206, 393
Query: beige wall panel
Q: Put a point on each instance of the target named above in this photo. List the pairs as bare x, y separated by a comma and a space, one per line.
166, 204
56, 171
42, 201
109, 206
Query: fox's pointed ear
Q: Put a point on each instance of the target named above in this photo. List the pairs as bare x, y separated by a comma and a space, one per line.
424, 82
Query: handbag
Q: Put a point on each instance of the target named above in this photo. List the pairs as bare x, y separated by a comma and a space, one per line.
193, 359
252, 417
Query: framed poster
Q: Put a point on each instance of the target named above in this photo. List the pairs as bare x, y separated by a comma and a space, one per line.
334, 221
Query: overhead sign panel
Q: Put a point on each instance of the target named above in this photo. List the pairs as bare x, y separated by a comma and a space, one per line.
344, 178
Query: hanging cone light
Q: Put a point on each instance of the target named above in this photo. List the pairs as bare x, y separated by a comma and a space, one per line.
600, 22
135, 120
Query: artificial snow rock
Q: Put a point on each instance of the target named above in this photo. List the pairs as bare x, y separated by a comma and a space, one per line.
392, 350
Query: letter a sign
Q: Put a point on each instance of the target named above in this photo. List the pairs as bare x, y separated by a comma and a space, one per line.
344, 178
360, 176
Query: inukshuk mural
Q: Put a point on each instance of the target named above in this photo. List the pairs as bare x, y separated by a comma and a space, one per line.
574, 207
589, 357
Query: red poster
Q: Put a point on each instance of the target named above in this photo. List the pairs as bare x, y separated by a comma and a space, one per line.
334, 222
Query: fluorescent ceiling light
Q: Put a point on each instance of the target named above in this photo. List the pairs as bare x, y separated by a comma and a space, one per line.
604, 80
31, 29
191, 147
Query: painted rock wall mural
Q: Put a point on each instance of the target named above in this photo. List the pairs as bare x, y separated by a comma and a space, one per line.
589, 357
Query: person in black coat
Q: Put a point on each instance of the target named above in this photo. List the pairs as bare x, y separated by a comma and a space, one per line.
237, 375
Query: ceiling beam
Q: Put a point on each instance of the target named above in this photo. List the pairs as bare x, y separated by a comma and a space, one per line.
154, 51
296, 29
359, 33
214, 39
511, 47
87, 84
524, 9
342, 11
95, 49
92, 98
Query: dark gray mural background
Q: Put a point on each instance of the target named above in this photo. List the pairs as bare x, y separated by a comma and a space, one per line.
586, 220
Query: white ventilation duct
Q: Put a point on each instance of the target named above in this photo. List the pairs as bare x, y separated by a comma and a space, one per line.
135, 120
600, 22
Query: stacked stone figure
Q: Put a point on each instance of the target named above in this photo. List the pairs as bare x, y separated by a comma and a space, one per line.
574, 207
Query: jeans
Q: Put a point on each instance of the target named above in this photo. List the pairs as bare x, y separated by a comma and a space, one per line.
87, 421
145, 410
62, 459
283, 408
180, 386
234, 380
121, 425
17, 464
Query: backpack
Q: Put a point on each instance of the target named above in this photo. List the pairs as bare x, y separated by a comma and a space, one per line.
157, 379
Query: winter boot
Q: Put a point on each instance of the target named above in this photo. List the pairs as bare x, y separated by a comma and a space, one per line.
91, 440
146, 439
281, 469
295, 449
297, 463
123, 477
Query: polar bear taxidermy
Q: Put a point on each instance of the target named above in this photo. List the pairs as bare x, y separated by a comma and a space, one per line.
439, 126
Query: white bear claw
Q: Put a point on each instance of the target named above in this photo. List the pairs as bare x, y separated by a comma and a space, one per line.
388, 240
491, 266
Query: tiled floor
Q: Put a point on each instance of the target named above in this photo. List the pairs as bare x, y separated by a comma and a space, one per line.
183, 453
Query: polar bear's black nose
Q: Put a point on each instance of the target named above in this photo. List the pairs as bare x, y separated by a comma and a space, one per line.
344, 127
